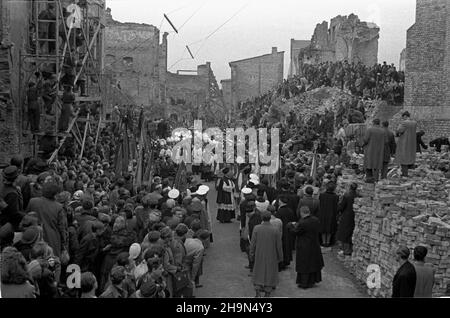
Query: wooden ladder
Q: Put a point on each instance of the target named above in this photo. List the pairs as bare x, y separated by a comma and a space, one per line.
61, 143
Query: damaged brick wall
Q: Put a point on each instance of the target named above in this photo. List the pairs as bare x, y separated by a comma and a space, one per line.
132, 55
427, 84
188, 92
256, 76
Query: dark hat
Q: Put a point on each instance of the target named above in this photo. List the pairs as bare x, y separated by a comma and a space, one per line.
30, 235
10, 173
403, 252
406, 114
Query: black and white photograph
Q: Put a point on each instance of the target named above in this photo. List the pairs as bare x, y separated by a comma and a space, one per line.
251, 150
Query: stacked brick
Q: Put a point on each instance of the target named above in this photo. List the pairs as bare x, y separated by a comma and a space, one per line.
401, 212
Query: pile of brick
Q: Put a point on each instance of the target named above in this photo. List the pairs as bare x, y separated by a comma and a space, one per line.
401, 212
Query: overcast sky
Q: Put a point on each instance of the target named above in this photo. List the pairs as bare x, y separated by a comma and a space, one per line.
258, 26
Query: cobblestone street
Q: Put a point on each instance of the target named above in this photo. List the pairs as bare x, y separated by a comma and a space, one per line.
225, 274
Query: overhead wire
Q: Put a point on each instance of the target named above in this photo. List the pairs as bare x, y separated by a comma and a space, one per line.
195, 12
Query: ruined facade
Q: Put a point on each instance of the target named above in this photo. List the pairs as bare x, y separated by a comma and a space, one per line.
427, 83
255, 76
133, 57
296, 47
346, 38
193, 94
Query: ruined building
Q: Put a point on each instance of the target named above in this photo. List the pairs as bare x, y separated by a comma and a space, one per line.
427, 81
296, 47
137, 62
194, 94
346, 38
255, 76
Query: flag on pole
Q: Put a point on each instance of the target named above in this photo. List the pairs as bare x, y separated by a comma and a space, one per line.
314, 165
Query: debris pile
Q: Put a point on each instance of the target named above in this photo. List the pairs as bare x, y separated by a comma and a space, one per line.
401, 212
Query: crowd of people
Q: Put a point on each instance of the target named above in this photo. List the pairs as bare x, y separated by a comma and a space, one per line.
143, 241
381, 81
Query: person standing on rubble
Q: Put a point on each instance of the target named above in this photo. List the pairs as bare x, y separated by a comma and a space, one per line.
374, 141
407, 143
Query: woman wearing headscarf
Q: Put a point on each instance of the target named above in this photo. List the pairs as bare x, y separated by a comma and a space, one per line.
225, 197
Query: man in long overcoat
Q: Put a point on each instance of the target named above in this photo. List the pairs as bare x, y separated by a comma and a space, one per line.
52, 217
309, 260
407, 143
374, 151
266, 252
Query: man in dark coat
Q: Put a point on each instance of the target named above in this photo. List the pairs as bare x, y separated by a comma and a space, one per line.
374, 151
286, 215
309, 260
292, 197
389, 148
328, 214
419, 142
346, 220
404, 282
309, 201
52, 217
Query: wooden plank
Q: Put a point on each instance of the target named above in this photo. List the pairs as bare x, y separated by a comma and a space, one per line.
84, 137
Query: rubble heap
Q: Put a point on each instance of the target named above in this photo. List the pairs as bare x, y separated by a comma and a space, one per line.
319, 100
398, 212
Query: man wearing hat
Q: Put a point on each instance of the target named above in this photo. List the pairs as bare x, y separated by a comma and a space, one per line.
404, 282
10, 215
225, 197
407, 143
